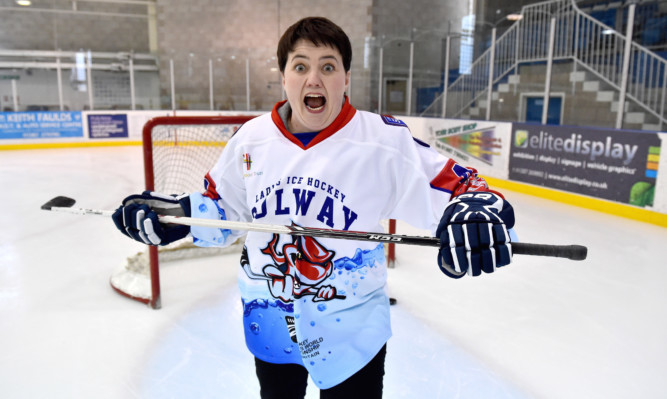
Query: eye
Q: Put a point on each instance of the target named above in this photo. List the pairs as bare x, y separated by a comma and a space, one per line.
300, 68
328, 68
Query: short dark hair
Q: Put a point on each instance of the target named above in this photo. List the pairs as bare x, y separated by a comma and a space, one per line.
318, 30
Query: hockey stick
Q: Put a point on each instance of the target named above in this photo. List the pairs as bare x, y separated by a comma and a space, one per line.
573, 252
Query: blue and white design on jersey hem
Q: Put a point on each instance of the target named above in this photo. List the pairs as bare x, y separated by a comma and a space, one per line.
269, 330
293, 331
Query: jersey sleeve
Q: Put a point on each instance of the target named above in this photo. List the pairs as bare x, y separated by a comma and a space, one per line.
223, 198
426, 181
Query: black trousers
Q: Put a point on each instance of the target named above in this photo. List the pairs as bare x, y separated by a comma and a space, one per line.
288, 381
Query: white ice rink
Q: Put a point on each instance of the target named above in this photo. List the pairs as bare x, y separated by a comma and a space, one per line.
539, 328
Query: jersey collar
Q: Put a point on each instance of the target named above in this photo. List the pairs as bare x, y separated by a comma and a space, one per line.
345, 115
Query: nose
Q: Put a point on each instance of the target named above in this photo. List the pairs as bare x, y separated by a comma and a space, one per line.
314, 78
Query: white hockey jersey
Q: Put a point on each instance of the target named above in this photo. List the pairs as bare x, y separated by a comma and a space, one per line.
321, 302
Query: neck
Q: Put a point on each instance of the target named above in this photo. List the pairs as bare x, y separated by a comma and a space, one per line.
285, 113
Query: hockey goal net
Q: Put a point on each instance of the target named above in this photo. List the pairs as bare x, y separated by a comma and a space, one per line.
178, 152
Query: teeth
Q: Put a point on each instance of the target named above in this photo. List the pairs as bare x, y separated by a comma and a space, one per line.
315, 96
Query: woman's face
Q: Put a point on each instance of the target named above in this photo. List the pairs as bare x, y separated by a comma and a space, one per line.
315, 82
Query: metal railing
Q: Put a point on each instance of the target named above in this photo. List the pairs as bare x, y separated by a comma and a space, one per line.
32, 80
633, 70
76, 75
630, 69
469, 88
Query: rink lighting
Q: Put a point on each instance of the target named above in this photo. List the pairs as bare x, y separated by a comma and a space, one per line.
24, 3
514, 17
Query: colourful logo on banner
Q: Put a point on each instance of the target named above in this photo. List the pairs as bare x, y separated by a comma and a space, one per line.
247, 161
642, 193
652, 162
480, 143
521, 139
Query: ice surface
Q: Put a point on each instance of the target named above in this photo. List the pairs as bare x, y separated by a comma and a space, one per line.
539, 328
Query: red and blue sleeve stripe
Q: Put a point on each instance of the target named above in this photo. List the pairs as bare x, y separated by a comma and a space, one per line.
456, 179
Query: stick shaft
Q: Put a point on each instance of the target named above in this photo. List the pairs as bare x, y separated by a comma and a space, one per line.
574, 252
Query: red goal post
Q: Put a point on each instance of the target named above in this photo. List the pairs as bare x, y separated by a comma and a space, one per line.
178, 151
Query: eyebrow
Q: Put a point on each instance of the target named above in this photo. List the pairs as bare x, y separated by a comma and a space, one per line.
324, 57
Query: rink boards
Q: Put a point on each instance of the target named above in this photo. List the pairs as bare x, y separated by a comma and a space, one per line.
609, 170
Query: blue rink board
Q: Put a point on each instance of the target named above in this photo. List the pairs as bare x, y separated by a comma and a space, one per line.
40, 125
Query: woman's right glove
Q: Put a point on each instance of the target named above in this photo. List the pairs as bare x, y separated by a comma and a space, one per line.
137, 217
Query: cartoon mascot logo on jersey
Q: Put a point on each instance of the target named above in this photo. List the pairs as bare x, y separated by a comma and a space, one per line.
298, 269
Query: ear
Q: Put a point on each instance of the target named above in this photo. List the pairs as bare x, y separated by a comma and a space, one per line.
282, 75
348, 75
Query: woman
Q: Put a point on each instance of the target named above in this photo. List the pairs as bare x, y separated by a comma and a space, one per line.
318, 307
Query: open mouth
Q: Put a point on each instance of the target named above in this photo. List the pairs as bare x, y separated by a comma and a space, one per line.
314, 102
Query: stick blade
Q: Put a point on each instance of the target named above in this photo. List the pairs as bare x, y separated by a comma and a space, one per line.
59, 201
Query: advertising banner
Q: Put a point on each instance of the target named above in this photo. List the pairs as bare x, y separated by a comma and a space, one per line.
610, 164
482, 145
107, 126
40, 125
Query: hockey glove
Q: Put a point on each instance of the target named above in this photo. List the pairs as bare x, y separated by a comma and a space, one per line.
137, 218
473, 234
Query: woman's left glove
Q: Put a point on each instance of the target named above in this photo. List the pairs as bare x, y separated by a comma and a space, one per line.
473, 234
